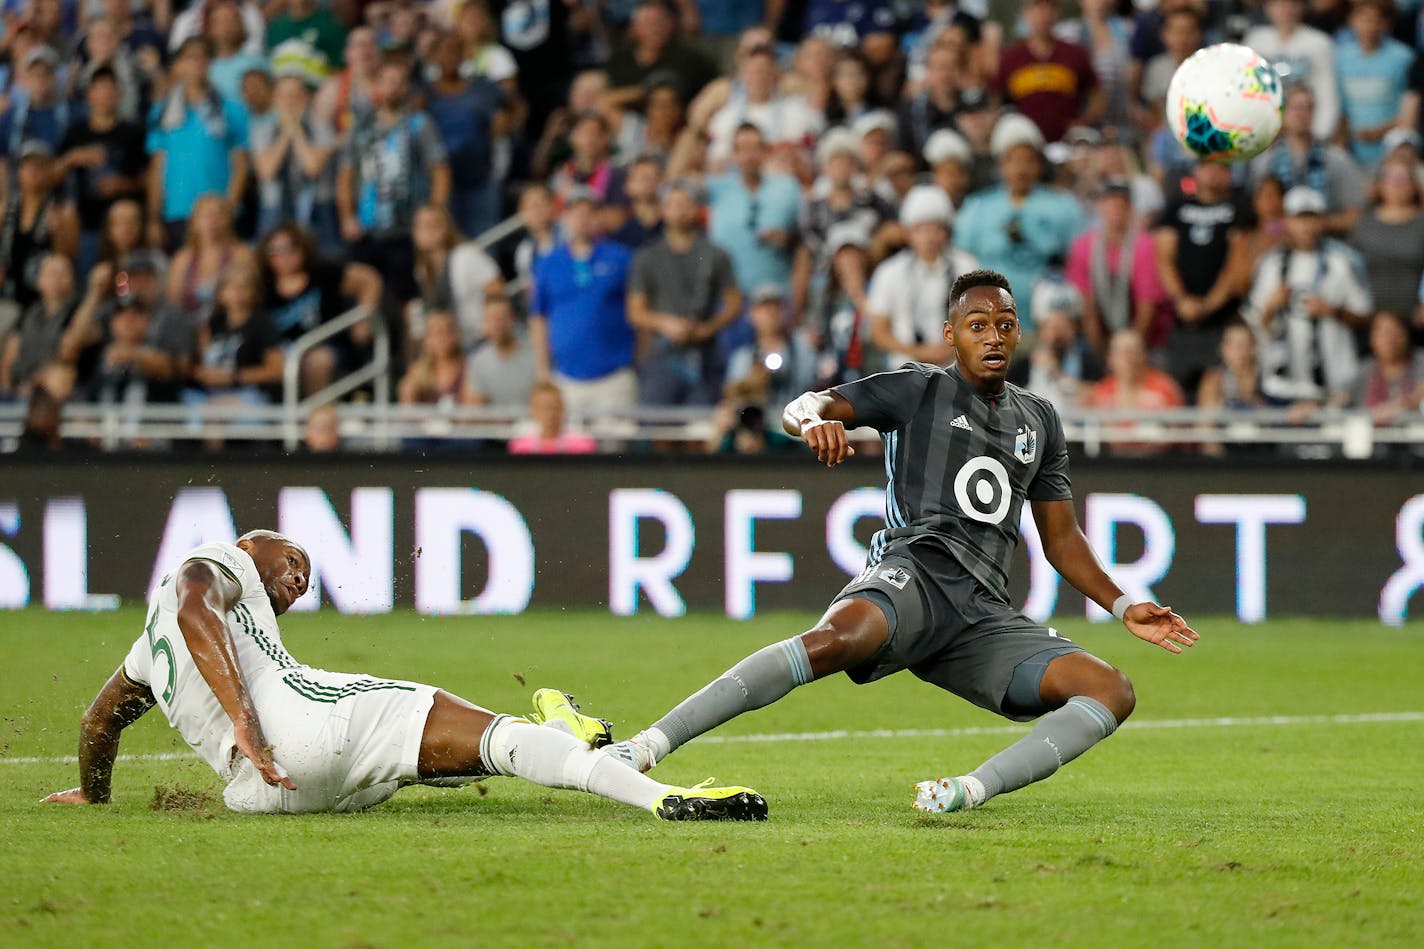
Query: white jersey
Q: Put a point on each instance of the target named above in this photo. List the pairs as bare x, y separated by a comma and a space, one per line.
160, 657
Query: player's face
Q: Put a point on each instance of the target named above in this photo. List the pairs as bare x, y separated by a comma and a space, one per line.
984, 331
285, 572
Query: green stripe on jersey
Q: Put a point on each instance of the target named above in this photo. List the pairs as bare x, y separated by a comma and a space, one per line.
331, 694
221, 566
271, 650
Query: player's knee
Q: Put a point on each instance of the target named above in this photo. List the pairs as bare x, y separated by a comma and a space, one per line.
1120, 697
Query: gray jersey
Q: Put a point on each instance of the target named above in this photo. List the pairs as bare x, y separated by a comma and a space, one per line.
959, 465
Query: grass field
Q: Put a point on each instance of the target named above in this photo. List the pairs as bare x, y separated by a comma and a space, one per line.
1304, 831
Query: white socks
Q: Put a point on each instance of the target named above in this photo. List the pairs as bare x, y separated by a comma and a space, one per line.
555, 759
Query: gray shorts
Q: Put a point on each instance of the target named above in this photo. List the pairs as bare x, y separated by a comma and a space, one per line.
950, 632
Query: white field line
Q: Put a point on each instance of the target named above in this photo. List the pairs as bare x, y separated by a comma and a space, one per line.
1135, 725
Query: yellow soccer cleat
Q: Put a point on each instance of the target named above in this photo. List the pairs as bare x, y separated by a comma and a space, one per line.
557, 710
703, 802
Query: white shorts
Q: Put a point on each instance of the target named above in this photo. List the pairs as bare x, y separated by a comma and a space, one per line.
347, 742
617, 390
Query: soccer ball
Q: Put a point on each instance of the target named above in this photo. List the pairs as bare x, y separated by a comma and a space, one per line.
1224, 103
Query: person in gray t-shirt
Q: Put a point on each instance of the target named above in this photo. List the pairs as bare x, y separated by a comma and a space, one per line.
682, 293
501, 370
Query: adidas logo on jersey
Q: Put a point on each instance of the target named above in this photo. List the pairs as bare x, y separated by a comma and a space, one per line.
961, 421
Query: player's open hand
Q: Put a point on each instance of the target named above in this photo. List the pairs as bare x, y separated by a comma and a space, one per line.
828, 440
253, 744
72, 796
1160, 626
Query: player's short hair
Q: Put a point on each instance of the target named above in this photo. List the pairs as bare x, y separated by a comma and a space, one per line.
977, 278
264, 534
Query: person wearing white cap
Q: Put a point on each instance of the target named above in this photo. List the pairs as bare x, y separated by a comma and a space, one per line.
951, 164
839, 196
1021, 227
877, 131
909, 293
1305, 304
1301, 157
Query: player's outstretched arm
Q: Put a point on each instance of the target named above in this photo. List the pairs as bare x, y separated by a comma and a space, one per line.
1071, 555
205, 596
820, 419
118, 705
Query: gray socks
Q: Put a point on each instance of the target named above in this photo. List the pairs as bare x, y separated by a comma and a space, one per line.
758, 680
1056, 739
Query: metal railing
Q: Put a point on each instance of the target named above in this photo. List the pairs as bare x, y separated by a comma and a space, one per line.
376, 373
381, 426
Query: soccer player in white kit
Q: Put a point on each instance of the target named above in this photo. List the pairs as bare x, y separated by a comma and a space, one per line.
288, 738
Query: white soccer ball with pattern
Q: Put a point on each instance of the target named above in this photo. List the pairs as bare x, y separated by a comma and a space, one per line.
1224, 103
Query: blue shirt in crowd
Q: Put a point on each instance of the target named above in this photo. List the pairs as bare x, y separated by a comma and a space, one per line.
1021, 242
737, 216
728, 17
1371, 87
583, 304
197, 153
465, 120
226, 74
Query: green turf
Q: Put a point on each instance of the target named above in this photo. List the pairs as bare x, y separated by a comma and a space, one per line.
1212, 835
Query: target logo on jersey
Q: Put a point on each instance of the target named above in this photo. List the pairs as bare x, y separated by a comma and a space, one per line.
982, 490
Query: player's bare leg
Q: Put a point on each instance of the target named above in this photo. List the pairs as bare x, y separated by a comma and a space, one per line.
1089, 699
464, 740
849, 633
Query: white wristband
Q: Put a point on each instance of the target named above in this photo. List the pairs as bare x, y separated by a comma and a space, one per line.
1120, 606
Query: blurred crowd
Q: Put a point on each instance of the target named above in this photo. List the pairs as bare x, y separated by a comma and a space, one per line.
719, 204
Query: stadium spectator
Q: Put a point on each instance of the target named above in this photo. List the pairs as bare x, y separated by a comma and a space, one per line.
951, 164
210, 247
1182, 32
876, 133
1019, 228
138, 32
897, 174
170, 330
500, 371
1134, 385
37, 109
239, 353
682, 294
1301, 54
470, 113
1299, 158
122, 241
1374, 73
142, 359
591, 163
232, 54
1061, 367
551, 435
37, 221
536, 216
753, 213
653, 48
393, 163
654, 133
198, 144
191, 22
578, 322
939, 23
1391, 238
935, 106
311, 22
585, 96
851, 95
35, 341
640, 220
1266, 232
783, 120
347, 99
717, 24
1305, 304
778, 359
322, 433
1106, 37
1114, 267
101, 50
1234, 384
454, 276
839, 196
909, 293
1048, 80
1392, 382
45, 409
302, 291
102, 160
437, 374
290, 154
1199, 245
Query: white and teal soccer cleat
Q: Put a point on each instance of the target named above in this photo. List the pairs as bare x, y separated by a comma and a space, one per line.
704, 802
634, 753
942, 796
557, 710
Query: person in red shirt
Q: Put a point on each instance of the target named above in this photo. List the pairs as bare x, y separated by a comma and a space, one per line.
1133, 383
1048, 80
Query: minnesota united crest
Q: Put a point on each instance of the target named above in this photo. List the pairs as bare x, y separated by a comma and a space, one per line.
1026, 445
